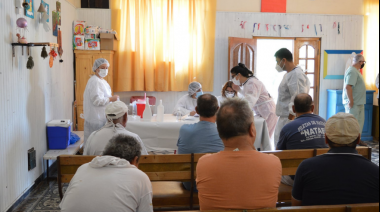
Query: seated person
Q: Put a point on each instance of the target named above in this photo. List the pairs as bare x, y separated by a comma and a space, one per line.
238, 177
202, 137
307, 131
228, 92
186, 104
117, 116
112, 182
341, 176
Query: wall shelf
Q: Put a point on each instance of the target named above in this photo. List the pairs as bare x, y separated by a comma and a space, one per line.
28, 45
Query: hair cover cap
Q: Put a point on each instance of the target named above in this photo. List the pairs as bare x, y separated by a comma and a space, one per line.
343, 128
194, 87
100, 62
116, 109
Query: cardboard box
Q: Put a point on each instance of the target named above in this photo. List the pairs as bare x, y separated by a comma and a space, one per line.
108, 41
78, 42
92, 44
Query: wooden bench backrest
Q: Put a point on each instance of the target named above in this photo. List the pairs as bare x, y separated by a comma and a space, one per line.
330, 208
179, 167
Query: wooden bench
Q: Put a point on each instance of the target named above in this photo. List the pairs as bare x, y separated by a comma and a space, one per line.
329, 208
167, 172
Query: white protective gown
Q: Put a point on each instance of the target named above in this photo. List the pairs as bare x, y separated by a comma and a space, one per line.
98, 140
108, 183
260, 101
186, 104
96, 98
293, 83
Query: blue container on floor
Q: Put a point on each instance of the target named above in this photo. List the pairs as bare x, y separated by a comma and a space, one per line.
59, 133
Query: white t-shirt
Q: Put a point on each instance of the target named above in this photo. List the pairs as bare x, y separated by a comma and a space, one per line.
108, 184
98, 140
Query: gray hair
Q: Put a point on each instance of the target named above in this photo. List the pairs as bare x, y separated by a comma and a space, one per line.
356, 59
124, 147
234, 118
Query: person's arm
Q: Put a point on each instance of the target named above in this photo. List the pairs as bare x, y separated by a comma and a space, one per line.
297, 85
252, 93
97, 96
146, 203
296, 202
181, 105
350, 95
143, 149
282, 142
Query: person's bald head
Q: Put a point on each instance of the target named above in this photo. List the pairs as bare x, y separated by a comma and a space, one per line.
303, 103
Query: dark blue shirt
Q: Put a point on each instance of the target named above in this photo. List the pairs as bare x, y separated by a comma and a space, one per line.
305, 132
341, 176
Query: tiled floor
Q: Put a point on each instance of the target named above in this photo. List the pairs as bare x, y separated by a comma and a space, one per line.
45, 198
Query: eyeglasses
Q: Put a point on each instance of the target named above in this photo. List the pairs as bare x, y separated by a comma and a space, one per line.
365, 62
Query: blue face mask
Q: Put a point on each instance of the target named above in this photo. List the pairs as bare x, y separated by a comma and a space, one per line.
200, 93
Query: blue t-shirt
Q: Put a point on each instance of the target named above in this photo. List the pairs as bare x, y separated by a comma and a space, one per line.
305, 132
202, 137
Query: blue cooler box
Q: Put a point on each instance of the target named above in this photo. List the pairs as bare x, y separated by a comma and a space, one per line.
58, 134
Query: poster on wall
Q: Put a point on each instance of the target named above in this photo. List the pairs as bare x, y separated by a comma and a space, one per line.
55, 22
59, 11
47, 8
29, 12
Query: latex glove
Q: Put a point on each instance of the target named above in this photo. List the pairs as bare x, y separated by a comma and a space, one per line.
351, 105
193, 113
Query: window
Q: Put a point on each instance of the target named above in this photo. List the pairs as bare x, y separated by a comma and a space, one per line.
99, 4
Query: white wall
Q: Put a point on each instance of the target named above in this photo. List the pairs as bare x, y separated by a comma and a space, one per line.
30, 98
228, 25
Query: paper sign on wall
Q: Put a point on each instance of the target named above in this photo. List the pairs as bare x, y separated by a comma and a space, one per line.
273, 6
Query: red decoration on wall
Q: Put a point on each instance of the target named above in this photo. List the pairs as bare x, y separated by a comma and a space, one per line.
273, 6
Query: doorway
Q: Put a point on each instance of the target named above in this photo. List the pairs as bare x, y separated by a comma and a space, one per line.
258, 55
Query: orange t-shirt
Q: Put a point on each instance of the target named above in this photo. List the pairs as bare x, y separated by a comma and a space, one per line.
238, 180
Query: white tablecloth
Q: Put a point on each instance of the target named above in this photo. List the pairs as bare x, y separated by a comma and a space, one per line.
163, 136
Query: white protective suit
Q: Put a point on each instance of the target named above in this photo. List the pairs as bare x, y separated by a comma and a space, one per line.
96, 97
293, 83
260, 101
108, 183
186, 105
98, 140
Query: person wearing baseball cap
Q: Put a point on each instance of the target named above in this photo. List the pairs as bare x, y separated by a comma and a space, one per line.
117, 116
341, 176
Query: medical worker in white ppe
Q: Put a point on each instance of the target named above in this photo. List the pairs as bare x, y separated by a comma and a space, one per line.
256, 94
97, 96
294, 82
186, 104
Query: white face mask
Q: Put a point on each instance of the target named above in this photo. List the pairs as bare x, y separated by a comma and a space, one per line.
279, 68
103, 72
229, 95
236, 81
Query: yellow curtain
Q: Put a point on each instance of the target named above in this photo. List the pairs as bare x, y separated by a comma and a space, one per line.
371, 42
164, 44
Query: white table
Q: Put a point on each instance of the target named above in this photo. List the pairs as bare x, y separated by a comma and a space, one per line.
71, 150
163, 136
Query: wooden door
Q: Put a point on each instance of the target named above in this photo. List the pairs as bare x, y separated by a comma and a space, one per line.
307, 54
83, 68
242, 50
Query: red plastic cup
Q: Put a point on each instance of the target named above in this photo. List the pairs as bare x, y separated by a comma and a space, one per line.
140, 109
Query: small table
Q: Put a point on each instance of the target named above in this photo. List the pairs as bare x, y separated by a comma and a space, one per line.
71, 150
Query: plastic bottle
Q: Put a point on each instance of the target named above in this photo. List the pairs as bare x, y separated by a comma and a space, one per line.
147, 115
179, 114
160, 112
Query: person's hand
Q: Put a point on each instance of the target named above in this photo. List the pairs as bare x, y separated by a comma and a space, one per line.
351, 105
193, 113
291, 117
236, 87
114, 98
